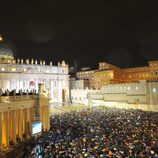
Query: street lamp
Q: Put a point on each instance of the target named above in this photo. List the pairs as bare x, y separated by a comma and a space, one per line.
89, 102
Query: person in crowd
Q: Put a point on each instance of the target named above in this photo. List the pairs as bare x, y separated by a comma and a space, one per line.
108, 133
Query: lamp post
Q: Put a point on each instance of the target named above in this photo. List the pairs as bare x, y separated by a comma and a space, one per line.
89, 102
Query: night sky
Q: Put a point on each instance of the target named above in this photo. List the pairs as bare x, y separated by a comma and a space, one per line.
82, 32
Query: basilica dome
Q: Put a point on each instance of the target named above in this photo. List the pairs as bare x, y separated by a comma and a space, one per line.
5, 51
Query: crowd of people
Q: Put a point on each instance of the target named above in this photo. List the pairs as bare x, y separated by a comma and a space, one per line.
108, 133
14, 92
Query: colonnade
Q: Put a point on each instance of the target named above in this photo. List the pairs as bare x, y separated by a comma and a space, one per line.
14, 124
17, 124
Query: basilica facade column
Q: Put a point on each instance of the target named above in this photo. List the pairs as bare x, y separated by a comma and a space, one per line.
59, 90
36, 85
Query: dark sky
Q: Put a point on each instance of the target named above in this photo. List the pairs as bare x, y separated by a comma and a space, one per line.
83, 32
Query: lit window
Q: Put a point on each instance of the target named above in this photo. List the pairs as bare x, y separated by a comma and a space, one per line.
13, 69
128, 88
24, 69
154, 89
2, 68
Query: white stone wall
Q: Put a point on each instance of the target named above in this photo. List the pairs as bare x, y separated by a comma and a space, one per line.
141, 95
126, 92
81, 95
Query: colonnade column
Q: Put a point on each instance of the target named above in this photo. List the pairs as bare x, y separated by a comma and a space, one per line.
7, 128
27, 122
0, 130
20, 130
48, 118
45, 117
14, 126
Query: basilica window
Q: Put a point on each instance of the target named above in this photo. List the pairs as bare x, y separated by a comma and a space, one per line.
128, 88
13, 69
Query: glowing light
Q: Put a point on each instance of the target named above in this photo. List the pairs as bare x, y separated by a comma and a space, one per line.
13, 69
136, 88
2, 69
128, 88
154, 89
1, 39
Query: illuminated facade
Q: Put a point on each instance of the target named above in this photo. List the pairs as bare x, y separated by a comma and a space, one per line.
17, 113
25, 75
110, 74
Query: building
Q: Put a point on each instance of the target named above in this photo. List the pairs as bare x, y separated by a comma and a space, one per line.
25, 75
102, 77
110, 74
88, 75
137, 95
81, 84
